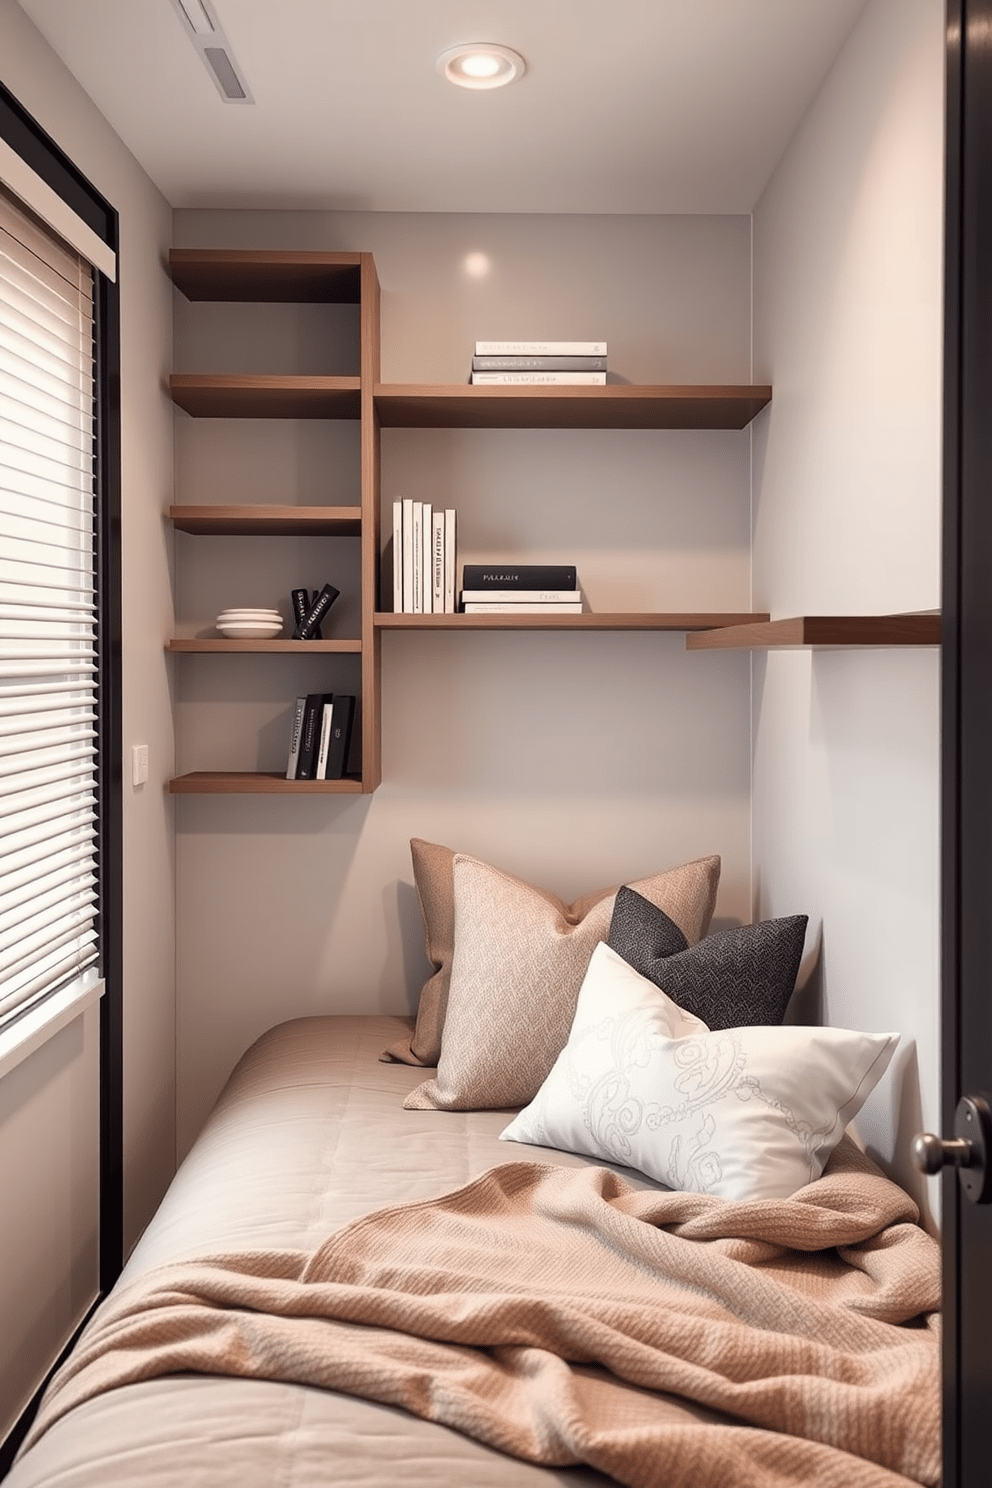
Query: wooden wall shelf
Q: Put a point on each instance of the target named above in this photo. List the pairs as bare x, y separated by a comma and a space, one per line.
268, 521
618, 620
220, 645
264, 276
260, 395
616, 406
826, 631
244, 783
300, 277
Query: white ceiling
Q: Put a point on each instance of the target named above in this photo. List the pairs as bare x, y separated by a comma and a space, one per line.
626, 106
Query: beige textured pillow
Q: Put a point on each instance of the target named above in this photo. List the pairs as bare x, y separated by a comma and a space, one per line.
519, 957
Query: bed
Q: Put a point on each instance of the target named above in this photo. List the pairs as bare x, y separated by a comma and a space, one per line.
362, 1275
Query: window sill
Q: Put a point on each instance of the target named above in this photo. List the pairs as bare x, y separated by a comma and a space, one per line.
39, 1024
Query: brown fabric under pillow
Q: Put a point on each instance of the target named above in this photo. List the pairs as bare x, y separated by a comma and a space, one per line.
433, 876
518, 960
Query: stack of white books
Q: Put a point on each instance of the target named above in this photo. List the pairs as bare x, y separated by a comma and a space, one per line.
423, 558
537, 363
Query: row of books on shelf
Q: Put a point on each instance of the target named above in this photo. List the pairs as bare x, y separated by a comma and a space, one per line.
536, 363
424, 573
321, 736
424, 546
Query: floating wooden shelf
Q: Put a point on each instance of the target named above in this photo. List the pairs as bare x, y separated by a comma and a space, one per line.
220, 645
615, 406
262, 395
268, 521
617, 620
253, 274
834, 631
243, 783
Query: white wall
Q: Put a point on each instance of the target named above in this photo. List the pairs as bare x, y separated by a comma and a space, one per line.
575, 760
848, 302
48, 1107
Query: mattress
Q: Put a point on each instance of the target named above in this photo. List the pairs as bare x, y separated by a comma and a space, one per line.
308, 1135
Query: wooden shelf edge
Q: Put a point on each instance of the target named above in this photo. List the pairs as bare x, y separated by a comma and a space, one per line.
208, 645
250, 274
262, 521
613, 406
835, 632
613, 620
263, 783
265, 395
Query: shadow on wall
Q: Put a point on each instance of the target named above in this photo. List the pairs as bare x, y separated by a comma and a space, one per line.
905, 1080
806, 1005
405, 938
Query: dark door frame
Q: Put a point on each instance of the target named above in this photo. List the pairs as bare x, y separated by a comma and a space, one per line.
966, 723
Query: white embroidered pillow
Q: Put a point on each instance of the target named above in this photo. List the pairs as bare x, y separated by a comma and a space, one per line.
743, 1113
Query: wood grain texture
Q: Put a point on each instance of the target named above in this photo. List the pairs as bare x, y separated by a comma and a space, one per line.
268, 521
616, 620
616, 406
834, 631
222, 646
244, 783
264, 395
264, 276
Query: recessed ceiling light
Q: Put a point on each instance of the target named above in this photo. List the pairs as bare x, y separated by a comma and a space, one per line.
481, 64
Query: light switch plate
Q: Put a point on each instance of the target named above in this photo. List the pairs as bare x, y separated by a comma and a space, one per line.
139, 764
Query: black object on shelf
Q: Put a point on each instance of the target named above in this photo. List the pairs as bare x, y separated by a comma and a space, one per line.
340, 740
308, 628
301, 608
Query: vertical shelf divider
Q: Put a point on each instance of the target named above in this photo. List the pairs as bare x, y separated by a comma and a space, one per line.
371, 508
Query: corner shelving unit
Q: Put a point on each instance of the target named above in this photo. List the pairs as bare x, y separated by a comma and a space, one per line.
350, 278
290, 278
834, 632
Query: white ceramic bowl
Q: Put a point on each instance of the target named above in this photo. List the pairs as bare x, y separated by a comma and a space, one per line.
249, 630
263, 615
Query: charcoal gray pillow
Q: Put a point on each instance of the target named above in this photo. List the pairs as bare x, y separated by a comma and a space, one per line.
733, 979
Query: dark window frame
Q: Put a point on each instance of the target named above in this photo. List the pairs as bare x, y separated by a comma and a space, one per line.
37, 148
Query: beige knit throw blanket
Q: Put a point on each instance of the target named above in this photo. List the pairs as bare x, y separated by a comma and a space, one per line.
539, 1309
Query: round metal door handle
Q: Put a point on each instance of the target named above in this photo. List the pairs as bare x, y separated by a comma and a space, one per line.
968, 1150
931, 1153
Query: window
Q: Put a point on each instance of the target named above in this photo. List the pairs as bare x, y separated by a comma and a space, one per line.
49, 699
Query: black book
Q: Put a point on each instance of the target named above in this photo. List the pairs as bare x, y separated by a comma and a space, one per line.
306, 629
340, 741
306, 764
296, 733
519, 576
301, 608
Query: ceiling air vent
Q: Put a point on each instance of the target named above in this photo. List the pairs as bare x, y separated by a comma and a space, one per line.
206, 33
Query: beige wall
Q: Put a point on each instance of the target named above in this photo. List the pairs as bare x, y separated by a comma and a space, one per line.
574, 759
848, 297
48, 1106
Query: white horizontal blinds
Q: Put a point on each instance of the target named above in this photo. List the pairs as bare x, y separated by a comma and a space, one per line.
48, 660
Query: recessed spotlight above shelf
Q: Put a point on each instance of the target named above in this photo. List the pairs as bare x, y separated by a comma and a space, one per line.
481, 64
